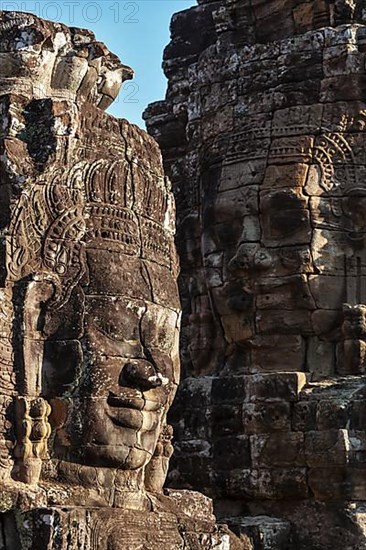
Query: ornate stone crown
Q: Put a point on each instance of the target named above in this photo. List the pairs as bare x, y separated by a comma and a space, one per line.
43, 59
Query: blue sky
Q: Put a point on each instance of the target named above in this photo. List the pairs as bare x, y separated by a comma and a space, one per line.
136, 30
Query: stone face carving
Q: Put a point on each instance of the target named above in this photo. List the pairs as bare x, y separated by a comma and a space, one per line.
88, 248
262, 132
89, 307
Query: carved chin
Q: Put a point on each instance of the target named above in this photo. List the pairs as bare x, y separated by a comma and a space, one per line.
126, 449
99, 435
115, 456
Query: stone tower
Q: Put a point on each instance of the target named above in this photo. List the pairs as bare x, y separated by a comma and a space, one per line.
263, 136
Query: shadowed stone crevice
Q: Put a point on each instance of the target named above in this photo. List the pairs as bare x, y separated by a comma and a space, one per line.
38, 131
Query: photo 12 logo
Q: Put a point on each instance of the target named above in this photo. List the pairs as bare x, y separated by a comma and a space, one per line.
69, 12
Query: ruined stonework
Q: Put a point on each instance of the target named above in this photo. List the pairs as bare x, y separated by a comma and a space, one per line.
89, 309
263, 133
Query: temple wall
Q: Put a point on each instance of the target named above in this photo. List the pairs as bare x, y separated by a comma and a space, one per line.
262, 132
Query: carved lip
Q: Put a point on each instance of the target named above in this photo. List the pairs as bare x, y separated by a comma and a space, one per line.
134, 402
133, 419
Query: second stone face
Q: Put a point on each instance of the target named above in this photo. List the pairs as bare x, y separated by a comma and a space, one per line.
270, 218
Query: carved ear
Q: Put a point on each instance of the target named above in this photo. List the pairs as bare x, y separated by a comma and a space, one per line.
156, 470
347, 307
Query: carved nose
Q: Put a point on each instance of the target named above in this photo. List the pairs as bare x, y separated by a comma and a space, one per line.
140, 374
262, 260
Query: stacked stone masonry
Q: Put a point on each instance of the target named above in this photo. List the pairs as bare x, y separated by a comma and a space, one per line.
263, 137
